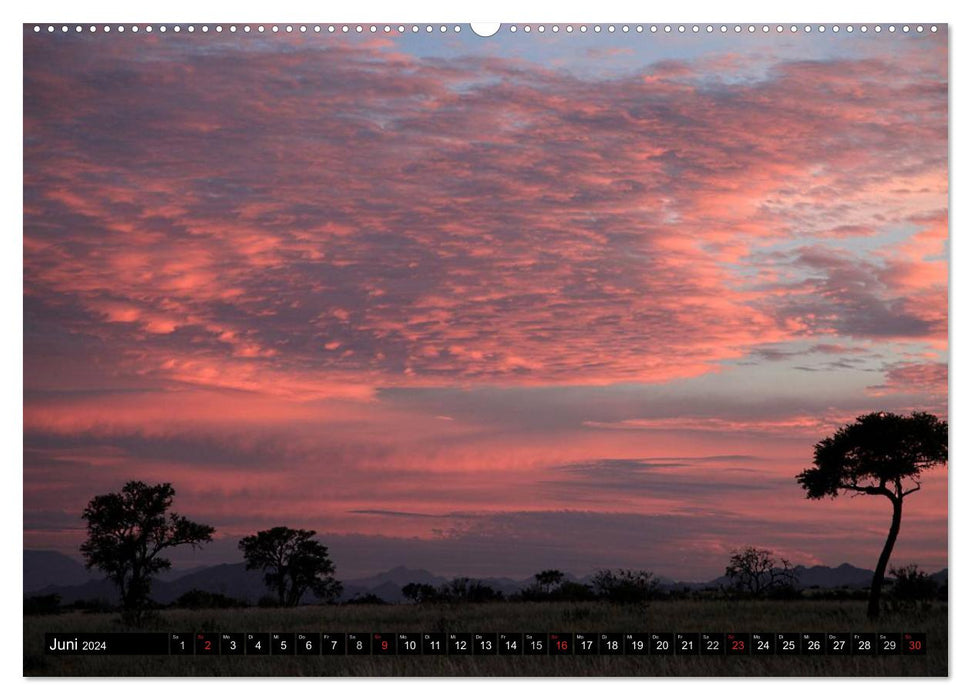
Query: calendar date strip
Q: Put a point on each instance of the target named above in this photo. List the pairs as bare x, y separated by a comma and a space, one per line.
487, 644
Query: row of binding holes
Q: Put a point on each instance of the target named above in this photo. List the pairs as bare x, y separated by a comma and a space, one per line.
428, 28
710, 28
261, 28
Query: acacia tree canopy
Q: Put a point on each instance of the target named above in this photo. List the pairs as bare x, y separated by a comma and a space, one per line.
878, 454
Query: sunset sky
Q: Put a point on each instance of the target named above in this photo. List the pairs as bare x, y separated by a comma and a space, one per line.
484, 306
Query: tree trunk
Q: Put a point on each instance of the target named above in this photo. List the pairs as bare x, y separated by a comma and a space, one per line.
873, 608
129, 601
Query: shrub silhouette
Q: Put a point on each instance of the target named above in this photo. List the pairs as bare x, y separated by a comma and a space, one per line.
571, 591
625, 585
366, 599
419, 592
551, 585
881, 454
467, 590
42, 604
911, 586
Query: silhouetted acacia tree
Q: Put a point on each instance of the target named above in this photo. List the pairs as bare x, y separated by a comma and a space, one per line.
549, 579
880, 454
127, 531
757, 573
293, 563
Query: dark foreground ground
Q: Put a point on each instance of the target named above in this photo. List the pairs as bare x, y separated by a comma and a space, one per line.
664, 616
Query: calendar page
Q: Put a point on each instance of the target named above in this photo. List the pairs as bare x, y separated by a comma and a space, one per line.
485, 350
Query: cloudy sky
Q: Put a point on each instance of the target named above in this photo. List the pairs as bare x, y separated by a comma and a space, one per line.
483, 306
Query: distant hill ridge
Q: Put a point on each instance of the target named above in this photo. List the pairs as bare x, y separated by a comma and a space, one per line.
47, 572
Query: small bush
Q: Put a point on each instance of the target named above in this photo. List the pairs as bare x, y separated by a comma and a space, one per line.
911, 586
466, 590
366, 599
566, 591
42, 605
573, 592
420, 592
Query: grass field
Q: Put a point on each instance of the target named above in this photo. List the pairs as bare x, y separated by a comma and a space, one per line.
664, 616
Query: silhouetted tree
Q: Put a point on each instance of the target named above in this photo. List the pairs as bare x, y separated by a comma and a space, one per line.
625, 586
549, 579
293, 563
757, 573
127, 532
881, 454
419, 592
455, 590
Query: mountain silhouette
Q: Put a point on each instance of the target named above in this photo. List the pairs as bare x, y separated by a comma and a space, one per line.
44, 568
843, 576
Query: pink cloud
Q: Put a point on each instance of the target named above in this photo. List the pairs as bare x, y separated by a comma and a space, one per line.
610, 258
233, 256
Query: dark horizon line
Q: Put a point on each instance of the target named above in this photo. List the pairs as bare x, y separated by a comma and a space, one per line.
190, 569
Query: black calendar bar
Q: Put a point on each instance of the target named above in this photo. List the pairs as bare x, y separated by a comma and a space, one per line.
548, 644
